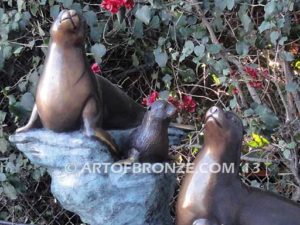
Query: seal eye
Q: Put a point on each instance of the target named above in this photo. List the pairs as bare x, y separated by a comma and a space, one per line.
233, 119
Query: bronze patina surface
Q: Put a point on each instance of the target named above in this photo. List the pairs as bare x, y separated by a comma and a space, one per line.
149, 142
214, 197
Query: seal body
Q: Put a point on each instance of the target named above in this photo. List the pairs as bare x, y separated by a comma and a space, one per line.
213, 195
68, 90
68, 94
67, 84
149, 142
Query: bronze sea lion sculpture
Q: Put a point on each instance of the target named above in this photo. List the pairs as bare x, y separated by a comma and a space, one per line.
210, 196
68, 94
149, 142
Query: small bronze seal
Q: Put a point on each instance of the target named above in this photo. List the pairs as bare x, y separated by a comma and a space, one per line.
149, 142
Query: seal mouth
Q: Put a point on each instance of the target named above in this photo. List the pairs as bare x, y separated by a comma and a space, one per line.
68, 16
214, 119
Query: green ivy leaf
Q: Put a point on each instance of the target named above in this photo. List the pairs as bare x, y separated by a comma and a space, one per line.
270, 7
67, 3
2, 116
155, 22
292, 87
246, 21
266, 25
287, 56
138, 28
167, 80
144, 14
287, 154
91, 18
9, 191
2, 177
252, 144
54, 11
188, 75
242, 48
156, 4
216, 79
187, 50
135, 60
230, 4
221, 4
199, 50
214, 48
99, 50
3, 145
20, 4
274, 37
161, 58
34, 7
27, 101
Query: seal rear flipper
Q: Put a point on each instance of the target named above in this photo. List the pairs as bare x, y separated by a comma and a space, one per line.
91, 118
34, 121
105, 137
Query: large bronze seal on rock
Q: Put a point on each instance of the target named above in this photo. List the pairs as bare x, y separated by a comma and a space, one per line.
210, 196
70, 96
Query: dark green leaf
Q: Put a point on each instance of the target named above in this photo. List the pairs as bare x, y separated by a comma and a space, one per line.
199, 50
214, 48
144, 14
292, 87
99, 51
242, 48
161, 58
9, 190
54, 11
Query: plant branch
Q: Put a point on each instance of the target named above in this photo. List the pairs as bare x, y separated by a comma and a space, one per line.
226, 57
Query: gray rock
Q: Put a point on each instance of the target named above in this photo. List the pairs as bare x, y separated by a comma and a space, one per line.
85, 181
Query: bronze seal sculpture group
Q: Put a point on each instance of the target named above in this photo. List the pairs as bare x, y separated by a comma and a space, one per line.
69, 97
209, 196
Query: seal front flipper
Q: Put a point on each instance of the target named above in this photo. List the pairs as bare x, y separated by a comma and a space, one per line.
133, 157
34, 121
90, 117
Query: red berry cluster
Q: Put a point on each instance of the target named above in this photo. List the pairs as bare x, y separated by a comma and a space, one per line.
114, 5
253, 73
187, 104
150, 99
95, 68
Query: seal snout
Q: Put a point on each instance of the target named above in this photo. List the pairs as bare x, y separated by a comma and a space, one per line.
70, 15
214, 114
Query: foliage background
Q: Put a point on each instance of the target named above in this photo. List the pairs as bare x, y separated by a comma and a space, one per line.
240, 55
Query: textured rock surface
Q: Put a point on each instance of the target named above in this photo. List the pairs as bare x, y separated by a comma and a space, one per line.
77, 166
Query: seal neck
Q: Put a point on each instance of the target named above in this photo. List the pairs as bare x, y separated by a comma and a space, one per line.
224, 153
149, 121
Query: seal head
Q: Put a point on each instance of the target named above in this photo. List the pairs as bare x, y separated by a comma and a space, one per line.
215, 197
223, 129
150, 142
68, 28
